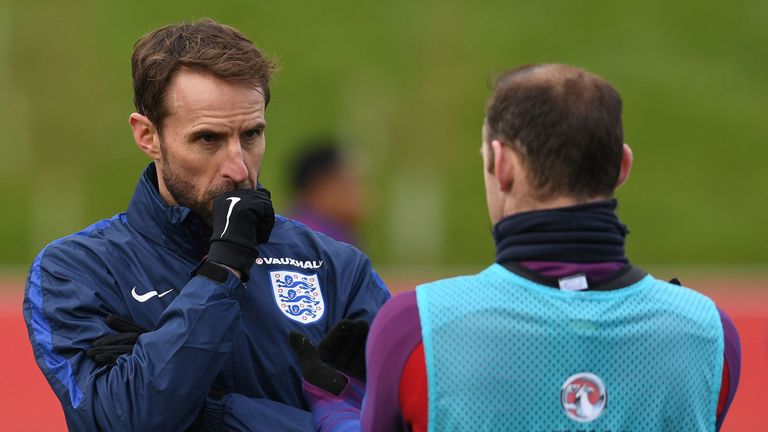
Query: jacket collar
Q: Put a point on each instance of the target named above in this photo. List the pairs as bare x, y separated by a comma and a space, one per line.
172, 227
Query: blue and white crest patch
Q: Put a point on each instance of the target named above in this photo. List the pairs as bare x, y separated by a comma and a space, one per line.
298, 295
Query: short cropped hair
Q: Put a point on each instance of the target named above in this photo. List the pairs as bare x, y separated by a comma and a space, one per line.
565, 123
202, 45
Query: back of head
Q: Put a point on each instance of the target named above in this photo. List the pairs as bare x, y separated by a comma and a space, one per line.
321, 158
328, 189
204, 46
565, 123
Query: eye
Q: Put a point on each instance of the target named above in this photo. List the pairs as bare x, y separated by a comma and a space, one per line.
253, 134
207, 138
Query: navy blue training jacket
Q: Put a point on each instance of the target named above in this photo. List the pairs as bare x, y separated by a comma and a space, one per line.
138, 264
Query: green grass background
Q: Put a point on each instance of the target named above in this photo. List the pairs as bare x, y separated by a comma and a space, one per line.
405, 82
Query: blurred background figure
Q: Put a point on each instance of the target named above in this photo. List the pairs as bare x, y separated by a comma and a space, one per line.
328, 190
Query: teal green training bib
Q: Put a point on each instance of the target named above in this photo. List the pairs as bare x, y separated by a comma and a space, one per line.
504, 353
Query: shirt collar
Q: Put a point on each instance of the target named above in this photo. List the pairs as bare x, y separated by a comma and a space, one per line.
582, 233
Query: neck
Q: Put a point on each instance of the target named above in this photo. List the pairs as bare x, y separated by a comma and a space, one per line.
162, 188
515, 206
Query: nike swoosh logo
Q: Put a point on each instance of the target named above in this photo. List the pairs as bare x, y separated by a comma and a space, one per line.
232, 202
141, 298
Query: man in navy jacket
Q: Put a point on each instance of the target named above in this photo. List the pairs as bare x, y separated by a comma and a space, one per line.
199, 227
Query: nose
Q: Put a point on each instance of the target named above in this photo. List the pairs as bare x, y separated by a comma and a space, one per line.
234, 167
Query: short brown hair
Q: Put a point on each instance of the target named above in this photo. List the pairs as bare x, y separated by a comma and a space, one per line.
202, 45
565, 123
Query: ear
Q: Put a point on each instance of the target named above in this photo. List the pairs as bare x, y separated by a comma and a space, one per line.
626, 165
145, 135
504, 166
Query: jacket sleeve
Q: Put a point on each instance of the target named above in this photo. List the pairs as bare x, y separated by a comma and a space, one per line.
368, 292
332, 413
239, 413
731, 367
163, 383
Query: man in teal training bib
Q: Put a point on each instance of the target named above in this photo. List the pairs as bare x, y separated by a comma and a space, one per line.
561, 333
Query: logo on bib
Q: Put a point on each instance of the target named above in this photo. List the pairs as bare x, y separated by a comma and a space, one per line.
583, 397
298, 295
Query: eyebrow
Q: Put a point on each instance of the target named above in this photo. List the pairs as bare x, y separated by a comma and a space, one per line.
260, 124
206, 131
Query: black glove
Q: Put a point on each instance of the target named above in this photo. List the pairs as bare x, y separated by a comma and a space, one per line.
107, 349
313, 370
242, 220
342, 349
